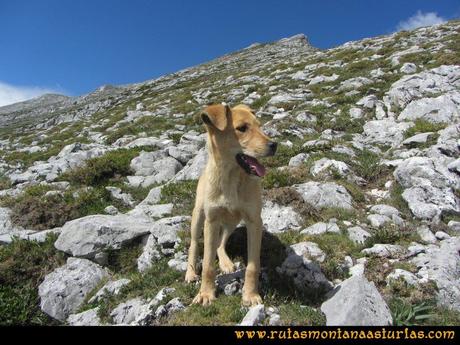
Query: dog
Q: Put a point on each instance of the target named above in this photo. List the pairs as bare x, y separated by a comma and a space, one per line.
228, 191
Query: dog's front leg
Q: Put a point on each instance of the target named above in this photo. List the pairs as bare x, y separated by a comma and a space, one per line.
211, 240
251, 283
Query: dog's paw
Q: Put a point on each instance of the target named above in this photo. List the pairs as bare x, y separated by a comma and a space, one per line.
251, 299
191, 276
204, 297
226, 266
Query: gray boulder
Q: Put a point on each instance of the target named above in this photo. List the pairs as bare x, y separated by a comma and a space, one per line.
63, 291
194, 167
125, 313
385, 132
421, 171
368, 101
138, 312
111, 288
150, 254
166, 230
384, 250
426, 235
298, 160
125, 198
6, 226
442, 109
153, 169
420, 138
408, 277
321, 228
454, 226
86, 318
307, 250
408, 68
356, 302
153, 198
358, 234
354, 83
428, 186
172, 306
151, 212
327, 166
427, 202
324, 195
427, 83
441, 264
277, 218
179, 262
88, 236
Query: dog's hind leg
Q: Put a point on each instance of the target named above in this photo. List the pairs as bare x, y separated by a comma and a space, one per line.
198, 219
225, 263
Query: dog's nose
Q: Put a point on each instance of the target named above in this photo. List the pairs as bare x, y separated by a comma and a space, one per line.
272, 145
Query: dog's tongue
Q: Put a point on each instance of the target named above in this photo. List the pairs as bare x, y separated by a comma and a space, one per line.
259, 168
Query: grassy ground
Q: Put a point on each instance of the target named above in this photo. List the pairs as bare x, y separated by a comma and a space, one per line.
23, 265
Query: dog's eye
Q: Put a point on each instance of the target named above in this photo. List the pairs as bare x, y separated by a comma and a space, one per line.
242, 128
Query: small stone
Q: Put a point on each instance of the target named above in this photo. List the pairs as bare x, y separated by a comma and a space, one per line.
441, 235
112, 210
321, 228
383, 250
86, 318
358, 234
275, 320
425, 234
254, 316
407, 276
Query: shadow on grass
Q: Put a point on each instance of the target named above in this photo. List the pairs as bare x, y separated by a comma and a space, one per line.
275, 287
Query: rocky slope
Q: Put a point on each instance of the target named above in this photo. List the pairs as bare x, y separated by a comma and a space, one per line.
361, 203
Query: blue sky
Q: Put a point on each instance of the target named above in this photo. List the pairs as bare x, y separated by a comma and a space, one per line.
73, 47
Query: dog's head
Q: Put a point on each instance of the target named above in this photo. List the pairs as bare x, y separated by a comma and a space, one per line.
235, 132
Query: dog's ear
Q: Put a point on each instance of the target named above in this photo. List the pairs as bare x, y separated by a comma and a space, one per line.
216, 115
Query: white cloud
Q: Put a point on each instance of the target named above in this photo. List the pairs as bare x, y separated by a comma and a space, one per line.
10, 94
420, 19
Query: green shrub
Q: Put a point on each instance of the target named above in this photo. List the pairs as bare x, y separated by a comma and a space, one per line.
5, 182
124, 260
423, 126
397, 201
259, 103
181, 194
293, 314
27, 158
336, 246
152, 125
226, 310
276, 178
98, 171
392, 234
23, 265
368, 166
405, 314
33, 210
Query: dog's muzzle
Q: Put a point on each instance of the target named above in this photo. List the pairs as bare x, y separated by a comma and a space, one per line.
250, 164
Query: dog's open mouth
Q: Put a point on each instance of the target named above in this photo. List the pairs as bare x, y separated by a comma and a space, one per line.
250, 165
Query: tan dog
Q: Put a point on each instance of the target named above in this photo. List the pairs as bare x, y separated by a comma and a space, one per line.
229, 191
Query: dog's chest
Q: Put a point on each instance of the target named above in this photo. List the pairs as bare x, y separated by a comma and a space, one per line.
234, 198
